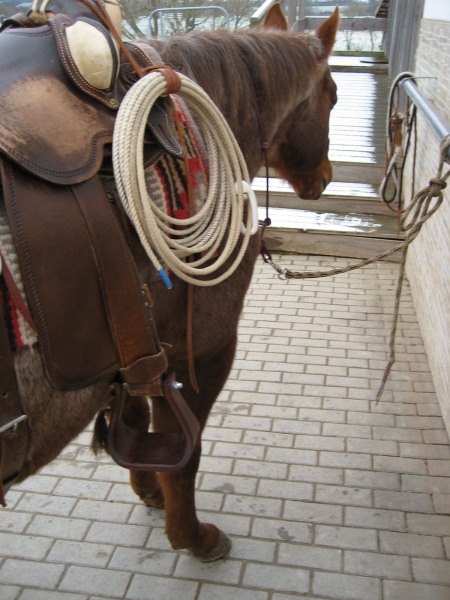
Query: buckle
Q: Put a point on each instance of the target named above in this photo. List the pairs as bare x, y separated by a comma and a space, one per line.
12, 424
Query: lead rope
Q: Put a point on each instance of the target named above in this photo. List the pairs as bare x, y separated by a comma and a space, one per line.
412, 220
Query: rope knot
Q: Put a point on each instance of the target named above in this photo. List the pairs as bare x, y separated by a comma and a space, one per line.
437, 185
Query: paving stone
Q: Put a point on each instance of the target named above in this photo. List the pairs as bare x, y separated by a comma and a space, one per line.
377, 565
439, 468
46, 595
118, 534
316, 474
238, 450
106, 582
229, 484
399, 435
9, 592
343, 495
402, 590
403, 501
41, 484
428, 524
285, 489
345, 460
50, 505
431, 570
111, 473
14, 522
123, 492
292, 456
431, 485
276, 578
435, 436
433, 451
313, 513
253, 550
420, 422
366, 418
327, 416
282, 530
24, 546
143, 561
400, 465
30, 573
372, 446
346, 537
447, 546
296, 427
283, 440
346, 587
69, 468
441, 503
270, 470
375, 518
369, 479
220, 592
316, 442
94, 490
310, 557
222, 572
253, 506
81, 553
214, 464
102, 511
59, 527
346, 431
411, 544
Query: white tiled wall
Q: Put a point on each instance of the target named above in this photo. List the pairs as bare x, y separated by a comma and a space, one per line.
428, 267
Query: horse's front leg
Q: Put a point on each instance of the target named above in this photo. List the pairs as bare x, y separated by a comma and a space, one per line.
183, 528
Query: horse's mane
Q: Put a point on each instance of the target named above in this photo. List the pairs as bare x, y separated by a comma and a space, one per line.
224, 63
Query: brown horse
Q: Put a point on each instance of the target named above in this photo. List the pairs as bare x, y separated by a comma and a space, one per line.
290, 77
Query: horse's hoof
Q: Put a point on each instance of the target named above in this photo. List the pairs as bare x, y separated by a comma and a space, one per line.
220, 550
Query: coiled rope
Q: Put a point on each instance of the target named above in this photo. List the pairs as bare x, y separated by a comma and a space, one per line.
214, 232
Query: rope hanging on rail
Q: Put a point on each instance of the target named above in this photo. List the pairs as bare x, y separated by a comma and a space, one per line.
215, 231
399, 130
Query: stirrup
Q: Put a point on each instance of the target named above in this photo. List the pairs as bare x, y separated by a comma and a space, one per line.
152, 451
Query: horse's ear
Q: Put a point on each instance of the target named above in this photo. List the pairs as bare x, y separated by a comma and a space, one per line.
275, 19
327, 31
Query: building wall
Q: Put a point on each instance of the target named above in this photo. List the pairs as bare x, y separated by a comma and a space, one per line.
428, 266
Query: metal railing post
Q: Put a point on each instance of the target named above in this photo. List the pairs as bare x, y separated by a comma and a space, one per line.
433, 118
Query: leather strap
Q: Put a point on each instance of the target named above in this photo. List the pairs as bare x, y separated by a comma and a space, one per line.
125, 297
13, 429
152, 451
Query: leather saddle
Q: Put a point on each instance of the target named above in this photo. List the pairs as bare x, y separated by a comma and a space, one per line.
91, 311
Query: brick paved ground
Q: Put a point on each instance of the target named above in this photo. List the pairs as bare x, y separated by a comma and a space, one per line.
325, 494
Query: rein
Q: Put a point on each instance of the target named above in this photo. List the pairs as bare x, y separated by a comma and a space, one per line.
264, 251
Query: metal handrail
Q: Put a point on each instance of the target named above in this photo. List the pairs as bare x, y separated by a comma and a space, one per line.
431, 116
183, 9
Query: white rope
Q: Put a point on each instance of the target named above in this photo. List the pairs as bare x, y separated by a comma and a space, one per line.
169, 241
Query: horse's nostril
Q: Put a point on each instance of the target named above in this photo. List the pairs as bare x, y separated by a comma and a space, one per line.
324, 183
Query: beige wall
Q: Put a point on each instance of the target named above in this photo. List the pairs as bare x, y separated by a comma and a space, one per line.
428, 266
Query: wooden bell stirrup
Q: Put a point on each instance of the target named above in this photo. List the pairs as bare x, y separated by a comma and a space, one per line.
152, 451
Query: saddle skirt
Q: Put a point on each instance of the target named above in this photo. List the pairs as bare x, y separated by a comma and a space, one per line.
167, 187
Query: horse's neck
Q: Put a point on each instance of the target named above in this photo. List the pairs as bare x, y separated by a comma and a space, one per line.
238, 105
